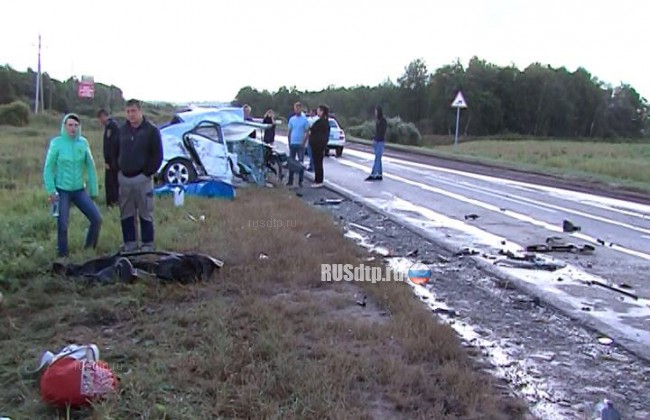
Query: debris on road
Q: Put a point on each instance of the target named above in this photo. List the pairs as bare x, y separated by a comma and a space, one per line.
263, 256
412, 253
569, 227
384, 252
471, 216
606, 341
442, 259
612, 288
361, 227
328, 201
586, 248
466, 251
362, 302
529, 261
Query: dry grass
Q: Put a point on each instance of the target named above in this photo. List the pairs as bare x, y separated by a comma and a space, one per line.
264, 338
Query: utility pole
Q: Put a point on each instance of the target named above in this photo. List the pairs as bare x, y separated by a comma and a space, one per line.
38, 78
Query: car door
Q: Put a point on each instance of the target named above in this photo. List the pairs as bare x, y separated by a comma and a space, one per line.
207, 140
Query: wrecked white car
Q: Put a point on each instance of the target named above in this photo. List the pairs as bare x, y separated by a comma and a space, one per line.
209, 143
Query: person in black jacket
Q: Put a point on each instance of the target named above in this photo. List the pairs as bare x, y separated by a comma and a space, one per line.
111, 154
141, 154
319, 134
269, 133
378, 141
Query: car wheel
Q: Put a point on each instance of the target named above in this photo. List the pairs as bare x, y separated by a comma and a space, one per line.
179, 171
339, 151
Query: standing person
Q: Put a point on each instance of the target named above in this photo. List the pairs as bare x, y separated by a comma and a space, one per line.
111, 154
269, 133
313, 116
378, 142
249, 117
68, 160
298, 132
319, 134
141, 154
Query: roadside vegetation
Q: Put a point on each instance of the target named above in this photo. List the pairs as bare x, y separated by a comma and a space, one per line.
263, 338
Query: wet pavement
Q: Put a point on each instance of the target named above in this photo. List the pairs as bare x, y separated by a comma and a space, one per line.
607, 289
563, 369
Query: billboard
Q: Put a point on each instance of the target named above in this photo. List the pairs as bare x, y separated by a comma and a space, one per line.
86, 87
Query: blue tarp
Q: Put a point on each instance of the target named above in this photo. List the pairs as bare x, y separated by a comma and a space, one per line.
210, 189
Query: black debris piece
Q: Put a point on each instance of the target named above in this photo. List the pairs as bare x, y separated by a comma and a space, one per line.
561, 248
471, 216
466, 251
569, 227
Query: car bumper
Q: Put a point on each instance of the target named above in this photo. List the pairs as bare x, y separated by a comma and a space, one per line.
336, 143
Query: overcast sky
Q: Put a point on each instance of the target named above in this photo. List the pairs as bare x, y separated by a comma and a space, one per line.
198, 50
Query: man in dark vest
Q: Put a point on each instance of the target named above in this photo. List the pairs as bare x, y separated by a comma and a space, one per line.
111, 154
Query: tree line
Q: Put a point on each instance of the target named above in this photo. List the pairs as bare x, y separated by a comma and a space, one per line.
537, 101
57, 96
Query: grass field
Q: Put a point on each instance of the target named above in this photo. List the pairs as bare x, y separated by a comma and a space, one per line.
264, 338
627, 163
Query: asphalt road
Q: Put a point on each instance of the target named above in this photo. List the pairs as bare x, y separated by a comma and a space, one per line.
608, 288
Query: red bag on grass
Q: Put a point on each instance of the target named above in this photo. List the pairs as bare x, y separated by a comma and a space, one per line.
75, 377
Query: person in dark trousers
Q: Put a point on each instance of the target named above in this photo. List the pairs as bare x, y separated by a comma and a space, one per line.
378, 142
140, 156
319, 134
269, 133
111, 154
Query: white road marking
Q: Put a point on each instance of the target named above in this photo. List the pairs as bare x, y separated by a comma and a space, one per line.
496, 209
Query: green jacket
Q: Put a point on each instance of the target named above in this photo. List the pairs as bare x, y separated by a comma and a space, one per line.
68, 160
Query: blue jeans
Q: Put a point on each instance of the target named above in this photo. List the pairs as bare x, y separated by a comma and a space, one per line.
85, 204
379, 151
311, 157
296, 151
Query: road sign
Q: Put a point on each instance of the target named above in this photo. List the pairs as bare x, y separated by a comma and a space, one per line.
86, 87
459, 102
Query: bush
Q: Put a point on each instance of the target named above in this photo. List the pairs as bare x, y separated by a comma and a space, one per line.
403, 133
15, 114
399, 132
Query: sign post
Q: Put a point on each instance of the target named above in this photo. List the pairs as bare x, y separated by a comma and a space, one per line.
458, 103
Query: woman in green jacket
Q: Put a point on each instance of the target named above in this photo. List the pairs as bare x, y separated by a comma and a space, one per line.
69, 160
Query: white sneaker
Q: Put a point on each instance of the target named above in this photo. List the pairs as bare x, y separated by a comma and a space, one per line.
320, 185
